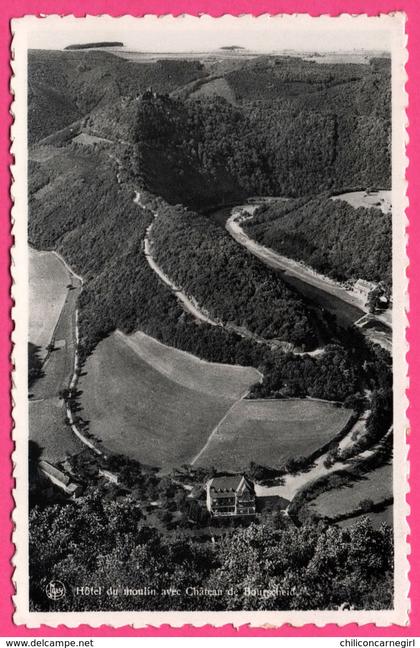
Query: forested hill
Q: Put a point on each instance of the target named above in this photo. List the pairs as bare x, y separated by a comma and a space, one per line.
81, 46
78, 208
331, 236
295, 127
228, 282
66, 86
209, 149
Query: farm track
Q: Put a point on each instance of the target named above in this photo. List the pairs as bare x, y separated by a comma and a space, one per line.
217, 427
61, 371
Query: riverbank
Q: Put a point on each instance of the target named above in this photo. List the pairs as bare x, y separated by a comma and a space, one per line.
292, 267
346, 305
198, 312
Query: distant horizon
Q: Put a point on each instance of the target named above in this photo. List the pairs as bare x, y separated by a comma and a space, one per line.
226, 49
153, 35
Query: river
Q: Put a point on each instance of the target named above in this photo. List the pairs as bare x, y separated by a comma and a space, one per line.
320, 293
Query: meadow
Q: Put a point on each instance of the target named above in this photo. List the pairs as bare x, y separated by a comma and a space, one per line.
47, 428
380, 199
51, 318
376, 518
271, 432
154, 403
48, 279
375, 486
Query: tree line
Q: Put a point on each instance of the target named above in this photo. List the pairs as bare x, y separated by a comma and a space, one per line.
332, 237
99, 230
315, 566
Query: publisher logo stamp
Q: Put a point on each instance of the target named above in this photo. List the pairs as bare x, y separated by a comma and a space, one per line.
55, 590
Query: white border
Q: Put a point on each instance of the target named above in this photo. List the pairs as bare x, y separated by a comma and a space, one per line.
21, 27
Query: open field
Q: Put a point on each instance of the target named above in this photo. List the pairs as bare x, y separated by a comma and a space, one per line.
58, 367
216, 87
89, 140
48, 279
155, 403
49, 431
52, 313
377, 518
375, 486
269, 432
379, 199
189, 371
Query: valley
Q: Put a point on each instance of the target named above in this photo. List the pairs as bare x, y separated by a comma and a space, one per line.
48, 427
188, 321
343, 302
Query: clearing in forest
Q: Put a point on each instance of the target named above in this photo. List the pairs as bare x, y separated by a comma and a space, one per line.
375, 486
51, 317
215, 88
270, 432
380, 199
48, 280
155, 403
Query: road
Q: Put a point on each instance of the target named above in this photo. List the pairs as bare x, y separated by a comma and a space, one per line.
294, 268
191, 306
307, 276
60, 371
188, 303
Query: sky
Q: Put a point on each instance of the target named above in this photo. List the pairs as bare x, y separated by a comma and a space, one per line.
189, 34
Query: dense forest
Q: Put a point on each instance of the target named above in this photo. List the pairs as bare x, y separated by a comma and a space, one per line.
295, 127
228, 282
76, 206
81, 46
66, 86
332, 237
264, 150
311, 567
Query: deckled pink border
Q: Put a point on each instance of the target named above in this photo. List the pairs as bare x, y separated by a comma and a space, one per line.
16, 8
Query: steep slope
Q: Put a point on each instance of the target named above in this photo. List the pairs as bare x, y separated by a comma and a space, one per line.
331, 236
296, 128
226, 280
81, 80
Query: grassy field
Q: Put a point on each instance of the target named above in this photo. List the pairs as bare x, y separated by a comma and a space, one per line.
52, 308
49, 431
375, 486
271, 432
48, 279
380, 199
215, 88
189, 371
376, 518
155, 403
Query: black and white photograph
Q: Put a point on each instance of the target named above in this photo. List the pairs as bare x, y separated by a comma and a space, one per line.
209, 283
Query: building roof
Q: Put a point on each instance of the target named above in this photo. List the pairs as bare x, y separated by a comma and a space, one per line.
228, 484
49, 469
367, 285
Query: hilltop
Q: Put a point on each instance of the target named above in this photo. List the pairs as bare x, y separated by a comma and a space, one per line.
94, 45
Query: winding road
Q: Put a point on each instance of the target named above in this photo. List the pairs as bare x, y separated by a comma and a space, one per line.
305, 275
60, 371
192, 307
